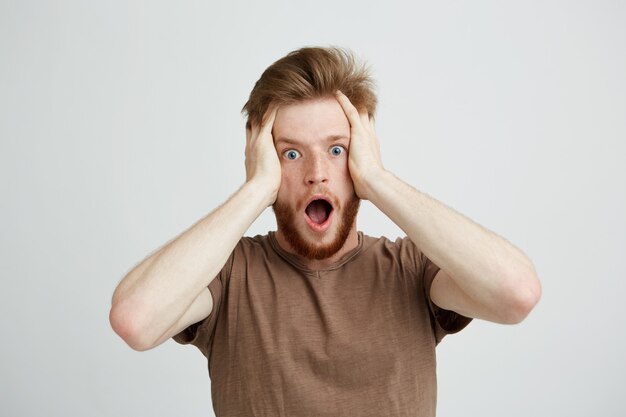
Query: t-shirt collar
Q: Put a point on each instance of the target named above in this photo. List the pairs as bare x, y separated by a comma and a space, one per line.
293, 260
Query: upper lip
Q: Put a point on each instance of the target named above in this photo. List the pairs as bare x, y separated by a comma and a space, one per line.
319, 197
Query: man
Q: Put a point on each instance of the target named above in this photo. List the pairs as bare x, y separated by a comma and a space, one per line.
318, 319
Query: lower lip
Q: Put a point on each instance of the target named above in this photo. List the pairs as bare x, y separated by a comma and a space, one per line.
321, 227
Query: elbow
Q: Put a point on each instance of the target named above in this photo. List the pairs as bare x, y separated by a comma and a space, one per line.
126, 321
522, 299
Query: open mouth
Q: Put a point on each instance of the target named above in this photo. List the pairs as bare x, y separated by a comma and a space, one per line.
318, 211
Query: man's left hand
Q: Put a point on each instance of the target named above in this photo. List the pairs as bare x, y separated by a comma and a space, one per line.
364, 160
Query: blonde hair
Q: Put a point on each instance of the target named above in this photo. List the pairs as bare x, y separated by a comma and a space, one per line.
309, 73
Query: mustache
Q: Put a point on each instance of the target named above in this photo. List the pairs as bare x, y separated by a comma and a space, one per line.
320, 192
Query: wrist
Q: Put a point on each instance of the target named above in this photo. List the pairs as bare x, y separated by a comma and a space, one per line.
371, 185
263, 189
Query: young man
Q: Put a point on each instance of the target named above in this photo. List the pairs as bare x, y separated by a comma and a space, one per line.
318, 319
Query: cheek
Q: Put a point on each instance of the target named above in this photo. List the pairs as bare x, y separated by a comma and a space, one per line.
347, 181
290, 173
286, 186
344, 172
287, 178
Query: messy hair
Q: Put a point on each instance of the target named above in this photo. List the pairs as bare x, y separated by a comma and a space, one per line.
310, 73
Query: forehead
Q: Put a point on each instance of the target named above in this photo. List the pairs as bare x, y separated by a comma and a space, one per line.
311, 120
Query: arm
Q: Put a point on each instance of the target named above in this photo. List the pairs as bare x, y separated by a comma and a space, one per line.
482, 275
168, 290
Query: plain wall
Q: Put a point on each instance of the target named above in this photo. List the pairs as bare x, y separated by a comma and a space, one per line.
120, 127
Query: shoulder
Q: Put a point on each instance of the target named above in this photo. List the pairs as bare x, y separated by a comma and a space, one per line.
259, 248
254, 242
251, 245
400, 245
401, 250
247, 249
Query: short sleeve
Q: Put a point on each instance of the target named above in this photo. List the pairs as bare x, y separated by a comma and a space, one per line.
444, 321
200, 334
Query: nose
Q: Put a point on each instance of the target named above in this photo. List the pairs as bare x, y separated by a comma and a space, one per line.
316, 171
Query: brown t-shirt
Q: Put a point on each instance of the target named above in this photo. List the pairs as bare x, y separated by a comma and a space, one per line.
355, 339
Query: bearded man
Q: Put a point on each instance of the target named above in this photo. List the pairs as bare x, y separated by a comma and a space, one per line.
318, 318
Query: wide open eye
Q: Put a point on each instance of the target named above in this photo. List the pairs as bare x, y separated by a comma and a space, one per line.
291, 154
337, 150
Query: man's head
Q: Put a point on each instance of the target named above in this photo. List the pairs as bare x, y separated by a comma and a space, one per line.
310, 73
316, 205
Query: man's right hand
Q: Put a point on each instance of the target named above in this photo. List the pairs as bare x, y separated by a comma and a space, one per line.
262, 162
168, 291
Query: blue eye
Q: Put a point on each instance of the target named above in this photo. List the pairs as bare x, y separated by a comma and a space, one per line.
336, 150
291, 154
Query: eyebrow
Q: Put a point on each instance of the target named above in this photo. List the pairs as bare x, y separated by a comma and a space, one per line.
331, 138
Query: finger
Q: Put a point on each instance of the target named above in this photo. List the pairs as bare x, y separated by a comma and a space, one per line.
254, 131
348, 108
269, 117
365, 118
372, 124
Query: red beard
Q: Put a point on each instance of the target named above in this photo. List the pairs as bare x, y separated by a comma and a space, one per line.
285, 219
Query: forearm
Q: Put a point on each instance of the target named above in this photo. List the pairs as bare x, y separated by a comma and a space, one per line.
481, 263
482, 272
158, 291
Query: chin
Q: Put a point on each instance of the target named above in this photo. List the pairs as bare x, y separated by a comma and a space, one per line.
317, 244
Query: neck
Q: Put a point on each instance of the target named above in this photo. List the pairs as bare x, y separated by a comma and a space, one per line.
317, 264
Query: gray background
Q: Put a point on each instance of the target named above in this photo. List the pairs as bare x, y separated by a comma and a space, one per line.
120, 127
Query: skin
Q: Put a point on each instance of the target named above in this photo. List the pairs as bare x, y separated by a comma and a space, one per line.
482, 275
316, 134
